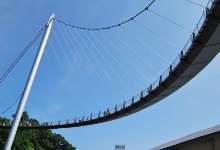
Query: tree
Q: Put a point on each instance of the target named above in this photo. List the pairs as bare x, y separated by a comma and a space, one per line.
31, 139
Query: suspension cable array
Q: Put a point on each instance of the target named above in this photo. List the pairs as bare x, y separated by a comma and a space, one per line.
97, 57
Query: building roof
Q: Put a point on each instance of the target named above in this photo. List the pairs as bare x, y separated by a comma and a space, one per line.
190, 138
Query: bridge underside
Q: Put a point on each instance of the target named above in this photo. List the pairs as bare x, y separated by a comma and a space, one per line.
204, 48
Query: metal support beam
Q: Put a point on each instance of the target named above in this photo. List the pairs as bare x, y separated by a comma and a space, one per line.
27, 88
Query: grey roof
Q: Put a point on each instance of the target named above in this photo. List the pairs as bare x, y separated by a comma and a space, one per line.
189, 137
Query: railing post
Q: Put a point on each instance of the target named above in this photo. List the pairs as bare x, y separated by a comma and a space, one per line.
181, 55
132, 100
124, 105
150, 88
170, 69
99, 114
116, 108
160, 81
207, 11
193, 36
142, 96
91, 117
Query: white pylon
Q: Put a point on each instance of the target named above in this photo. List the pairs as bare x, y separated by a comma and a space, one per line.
28, 85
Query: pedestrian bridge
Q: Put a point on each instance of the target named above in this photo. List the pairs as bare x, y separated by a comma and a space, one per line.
205, 46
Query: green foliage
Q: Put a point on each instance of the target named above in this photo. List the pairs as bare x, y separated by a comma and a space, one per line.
34, 139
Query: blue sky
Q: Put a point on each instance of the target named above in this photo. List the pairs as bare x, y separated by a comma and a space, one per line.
63, 92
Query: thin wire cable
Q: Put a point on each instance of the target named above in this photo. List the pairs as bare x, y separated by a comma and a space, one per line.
203, 14
63, 53
78, 52
112, 82
195, 3
87, 56
23, 52
108, 63
137, 54
40, 85
102, 57
111, 68
122, 67
43, 84
21, 55
70, 49
53, 106
100, 63
92, 52
51, 102
164, 39
62, 47
57, 58
209, 2
146, 8
12, 104
146, 46
37, 111
78, 55
48, 58
15, 56
124, 56
170, 21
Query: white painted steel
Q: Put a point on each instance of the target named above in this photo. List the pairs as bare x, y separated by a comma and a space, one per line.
27, 89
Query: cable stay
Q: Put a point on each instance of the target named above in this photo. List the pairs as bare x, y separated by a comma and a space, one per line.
195, 3
170, 21
164, 39
129, 47
146, 45
124, 56
11, 105
8, 68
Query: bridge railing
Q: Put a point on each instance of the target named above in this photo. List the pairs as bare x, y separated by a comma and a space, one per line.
185, 48
155, 84
198, 26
